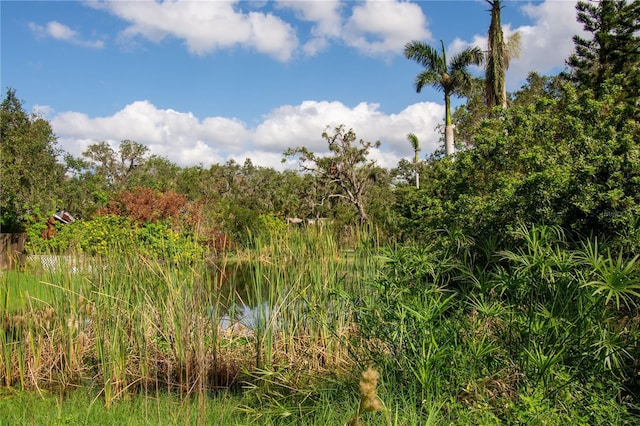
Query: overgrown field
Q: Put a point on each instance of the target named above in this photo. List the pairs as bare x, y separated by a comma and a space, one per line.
454, 331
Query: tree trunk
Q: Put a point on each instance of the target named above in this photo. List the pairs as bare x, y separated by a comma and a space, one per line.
448, 130
504, 93
416, 160
448, 140
362, 212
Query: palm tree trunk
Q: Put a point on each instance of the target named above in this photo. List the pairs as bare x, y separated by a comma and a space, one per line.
416, 160
504, 91
495, 72
448, 129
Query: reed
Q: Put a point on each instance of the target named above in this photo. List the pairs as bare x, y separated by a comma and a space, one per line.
295, 317
132, 323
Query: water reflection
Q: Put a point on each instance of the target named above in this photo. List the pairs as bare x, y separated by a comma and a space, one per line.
241, 304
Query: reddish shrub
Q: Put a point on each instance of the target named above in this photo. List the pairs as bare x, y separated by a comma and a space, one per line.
146, 205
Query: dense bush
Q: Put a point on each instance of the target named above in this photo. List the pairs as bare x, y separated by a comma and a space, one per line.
105, 234
571, 161
540, 330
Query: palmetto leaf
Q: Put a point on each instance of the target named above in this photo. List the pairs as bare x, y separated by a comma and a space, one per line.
617, 278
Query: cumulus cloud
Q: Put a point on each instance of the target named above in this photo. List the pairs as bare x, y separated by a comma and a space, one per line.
42, 110
327, 19
188, 140
205, 26
549, 42
62, 32
302, 125
375, 28
180, 137
384, 27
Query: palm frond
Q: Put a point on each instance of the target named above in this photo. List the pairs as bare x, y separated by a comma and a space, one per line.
469, 56
512, 48
428, 77
425, 55
415, 143
461, 81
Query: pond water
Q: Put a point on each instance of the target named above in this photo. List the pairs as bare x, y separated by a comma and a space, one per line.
242, 298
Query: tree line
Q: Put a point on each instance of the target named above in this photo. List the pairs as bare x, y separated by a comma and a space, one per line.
561, 150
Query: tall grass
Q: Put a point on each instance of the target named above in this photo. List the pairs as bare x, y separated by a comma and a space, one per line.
461, 332
133, 323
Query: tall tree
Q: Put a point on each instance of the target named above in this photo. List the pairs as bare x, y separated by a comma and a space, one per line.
30, 174
116, 167
415, 144
495, 68
155, 172
612, 51
346, 173
450, 77
499, 55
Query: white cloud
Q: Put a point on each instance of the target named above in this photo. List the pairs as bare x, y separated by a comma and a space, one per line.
326, 16
187, 140
549, 42
180, 137
205, 26
62, 32
42, 110
291, 126
375, 28
384, 27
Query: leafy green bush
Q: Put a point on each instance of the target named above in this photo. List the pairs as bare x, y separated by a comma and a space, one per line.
159, 240
519, 332
270, 224
103, 234
571, 160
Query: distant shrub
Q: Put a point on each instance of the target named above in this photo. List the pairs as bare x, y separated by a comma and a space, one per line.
270, 224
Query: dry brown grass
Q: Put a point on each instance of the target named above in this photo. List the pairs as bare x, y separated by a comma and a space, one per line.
47, 351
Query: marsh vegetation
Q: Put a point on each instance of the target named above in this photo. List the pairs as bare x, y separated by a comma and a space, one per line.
540, 333
497, 284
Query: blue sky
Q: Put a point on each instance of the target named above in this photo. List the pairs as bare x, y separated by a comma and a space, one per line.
202, 82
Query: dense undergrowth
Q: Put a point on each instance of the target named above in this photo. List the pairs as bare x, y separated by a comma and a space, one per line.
546, 332
541, 333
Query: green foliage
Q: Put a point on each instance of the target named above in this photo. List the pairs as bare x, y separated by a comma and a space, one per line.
37, 243
615, 278
572, 161
159, 241
116, 167
270, 224
496, 65
346, 174
519, 334
104, 234
611, 52
29, 172
451, 77
86, 408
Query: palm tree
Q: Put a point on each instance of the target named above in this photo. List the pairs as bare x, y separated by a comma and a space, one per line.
452, 78
498, 58
415, 144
